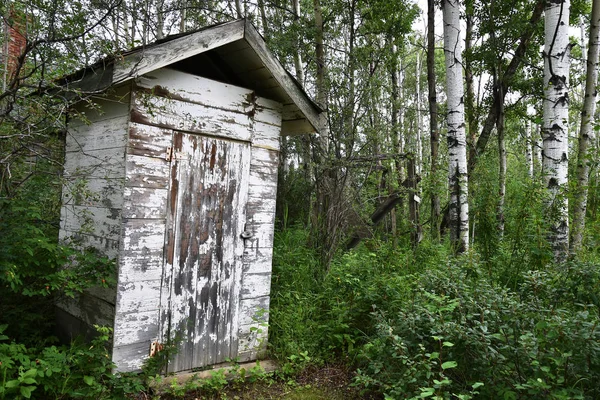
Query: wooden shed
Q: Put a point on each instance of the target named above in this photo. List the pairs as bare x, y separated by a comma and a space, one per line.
178, 154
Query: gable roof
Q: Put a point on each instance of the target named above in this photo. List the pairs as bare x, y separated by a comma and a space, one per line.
233, 52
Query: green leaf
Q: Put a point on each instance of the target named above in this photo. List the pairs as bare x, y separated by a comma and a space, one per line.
477, 384
449, 364
89, 380
447, 344
12, 384
26, 391
30, 373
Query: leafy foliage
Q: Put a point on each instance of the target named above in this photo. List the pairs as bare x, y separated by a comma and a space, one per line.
421, 324
81, 370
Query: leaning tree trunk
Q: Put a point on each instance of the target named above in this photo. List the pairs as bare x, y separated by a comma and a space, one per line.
586, 132
457, 145
325, 233
433, 115
298, 54
555, 130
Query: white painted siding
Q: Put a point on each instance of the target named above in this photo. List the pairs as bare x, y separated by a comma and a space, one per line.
94, 173
260, 216
125, 157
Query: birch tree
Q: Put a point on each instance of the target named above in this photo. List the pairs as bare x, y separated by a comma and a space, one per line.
586, 132
433, 115
456, 136
555, 130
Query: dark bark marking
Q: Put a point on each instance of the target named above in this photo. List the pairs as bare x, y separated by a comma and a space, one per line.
213, 155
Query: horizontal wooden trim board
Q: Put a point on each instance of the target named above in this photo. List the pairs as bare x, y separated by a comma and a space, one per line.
106, 163
107, 247
254, 311
139, 296
93, 192
190, 88
135, 327
98, 221
149, 141
145, 203
152, 58
255, 285
130, 357
147, 172
107, 134
181, 116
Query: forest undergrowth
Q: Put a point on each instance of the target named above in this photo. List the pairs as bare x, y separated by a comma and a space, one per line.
423, 324
500, 321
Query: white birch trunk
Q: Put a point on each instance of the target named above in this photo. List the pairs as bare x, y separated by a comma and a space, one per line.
263, 19
537, 149
297, 54
501, 169
238, 9
400, 131
529, 148
183, 16
586, 132
419, 143
555, 130
457, 144
160, 22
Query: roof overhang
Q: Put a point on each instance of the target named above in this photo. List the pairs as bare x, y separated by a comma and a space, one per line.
232, 52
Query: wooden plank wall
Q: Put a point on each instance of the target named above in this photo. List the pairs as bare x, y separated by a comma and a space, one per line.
94, 175
142, 243
163, 101
260, 220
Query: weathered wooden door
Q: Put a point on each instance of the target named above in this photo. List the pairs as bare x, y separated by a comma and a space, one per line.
203, 257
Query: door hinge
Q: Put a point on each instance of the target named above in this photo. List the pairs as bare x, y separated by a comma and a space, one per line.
169, 153
155, 347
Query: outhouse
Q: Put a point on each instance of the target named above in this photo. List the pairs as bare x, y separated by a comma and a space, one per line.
175, 160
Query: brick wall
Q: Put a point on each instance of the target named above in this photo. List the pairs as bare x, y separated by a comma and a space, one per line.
15, 34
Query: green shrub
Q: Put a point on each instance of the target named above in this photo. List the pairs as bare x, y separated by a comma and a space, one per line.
81, 370
522, 344
426, 324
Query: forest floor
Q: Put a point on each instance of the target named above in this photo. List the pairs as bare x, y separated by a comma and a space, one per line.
314, 383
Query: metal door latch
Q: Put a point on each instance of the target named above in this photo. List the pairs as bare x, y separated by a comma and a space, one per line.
246, 235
